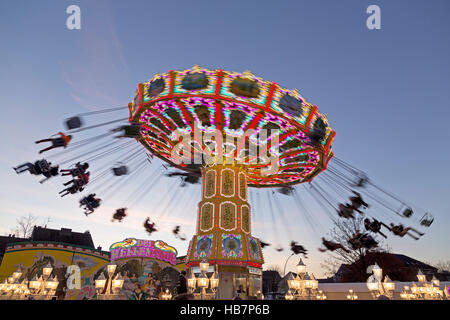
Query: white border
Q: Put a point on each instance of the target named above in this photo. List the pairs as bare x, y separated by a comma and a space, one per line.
249, 219
239, 185
235, 216
221, 184
201, 216
215, 184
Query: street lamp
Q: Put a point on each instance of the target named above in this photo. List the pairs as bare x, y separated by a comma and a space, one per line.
100, 282
204, 266
202, 281
301, 286
191, 281
427, 291
379, 287
301, 267
108, 289
406, 294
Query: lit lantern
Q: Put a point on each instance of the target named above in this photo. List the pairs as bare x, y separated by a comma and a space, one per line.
111, 269
202, 280
35, 283
100, 282
214, 280
47, 270
314, 282
307, 280
204, 266
435, 281
301, 267
421, 277
291, 281
297, 283
52, 284
191, 280
117, 282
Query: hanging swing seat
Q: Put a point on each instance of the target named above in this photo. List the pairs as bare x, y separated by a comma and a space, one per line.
120, 170
408, 212
73, 123
426, 220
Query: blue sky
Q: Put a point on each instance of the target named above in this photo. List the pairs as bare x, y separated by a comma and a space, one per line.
386, 93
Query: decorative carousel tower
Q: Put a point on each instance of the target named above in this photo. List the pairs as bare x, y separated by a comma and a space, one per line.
226, 117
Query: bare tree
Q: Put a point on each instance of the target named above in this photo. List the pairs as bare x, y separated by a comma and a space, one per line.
442, 266
274, 267
25, 226
341, 232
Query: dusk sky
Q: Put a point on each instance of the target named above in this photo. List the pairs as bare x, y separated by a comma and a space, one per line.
386, 94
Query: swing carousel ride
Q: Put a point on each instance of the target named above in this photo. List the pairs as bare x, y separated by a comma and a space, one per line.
231, 132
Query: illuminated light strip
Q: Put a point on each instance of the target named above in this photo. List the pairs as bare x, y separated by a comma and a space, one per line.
226, 262
250, 104
236, 192
293, 154
186, 116
269, 144
130, 113
250, 126
273, 86
150, 127
218, 112
330, 138
171, 80
157, 115
310, 116
266, 108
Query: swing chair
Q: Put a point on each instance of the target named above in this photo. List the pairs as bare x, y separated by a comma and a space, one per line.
407, 212
120, 169
73, 123
426, 220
